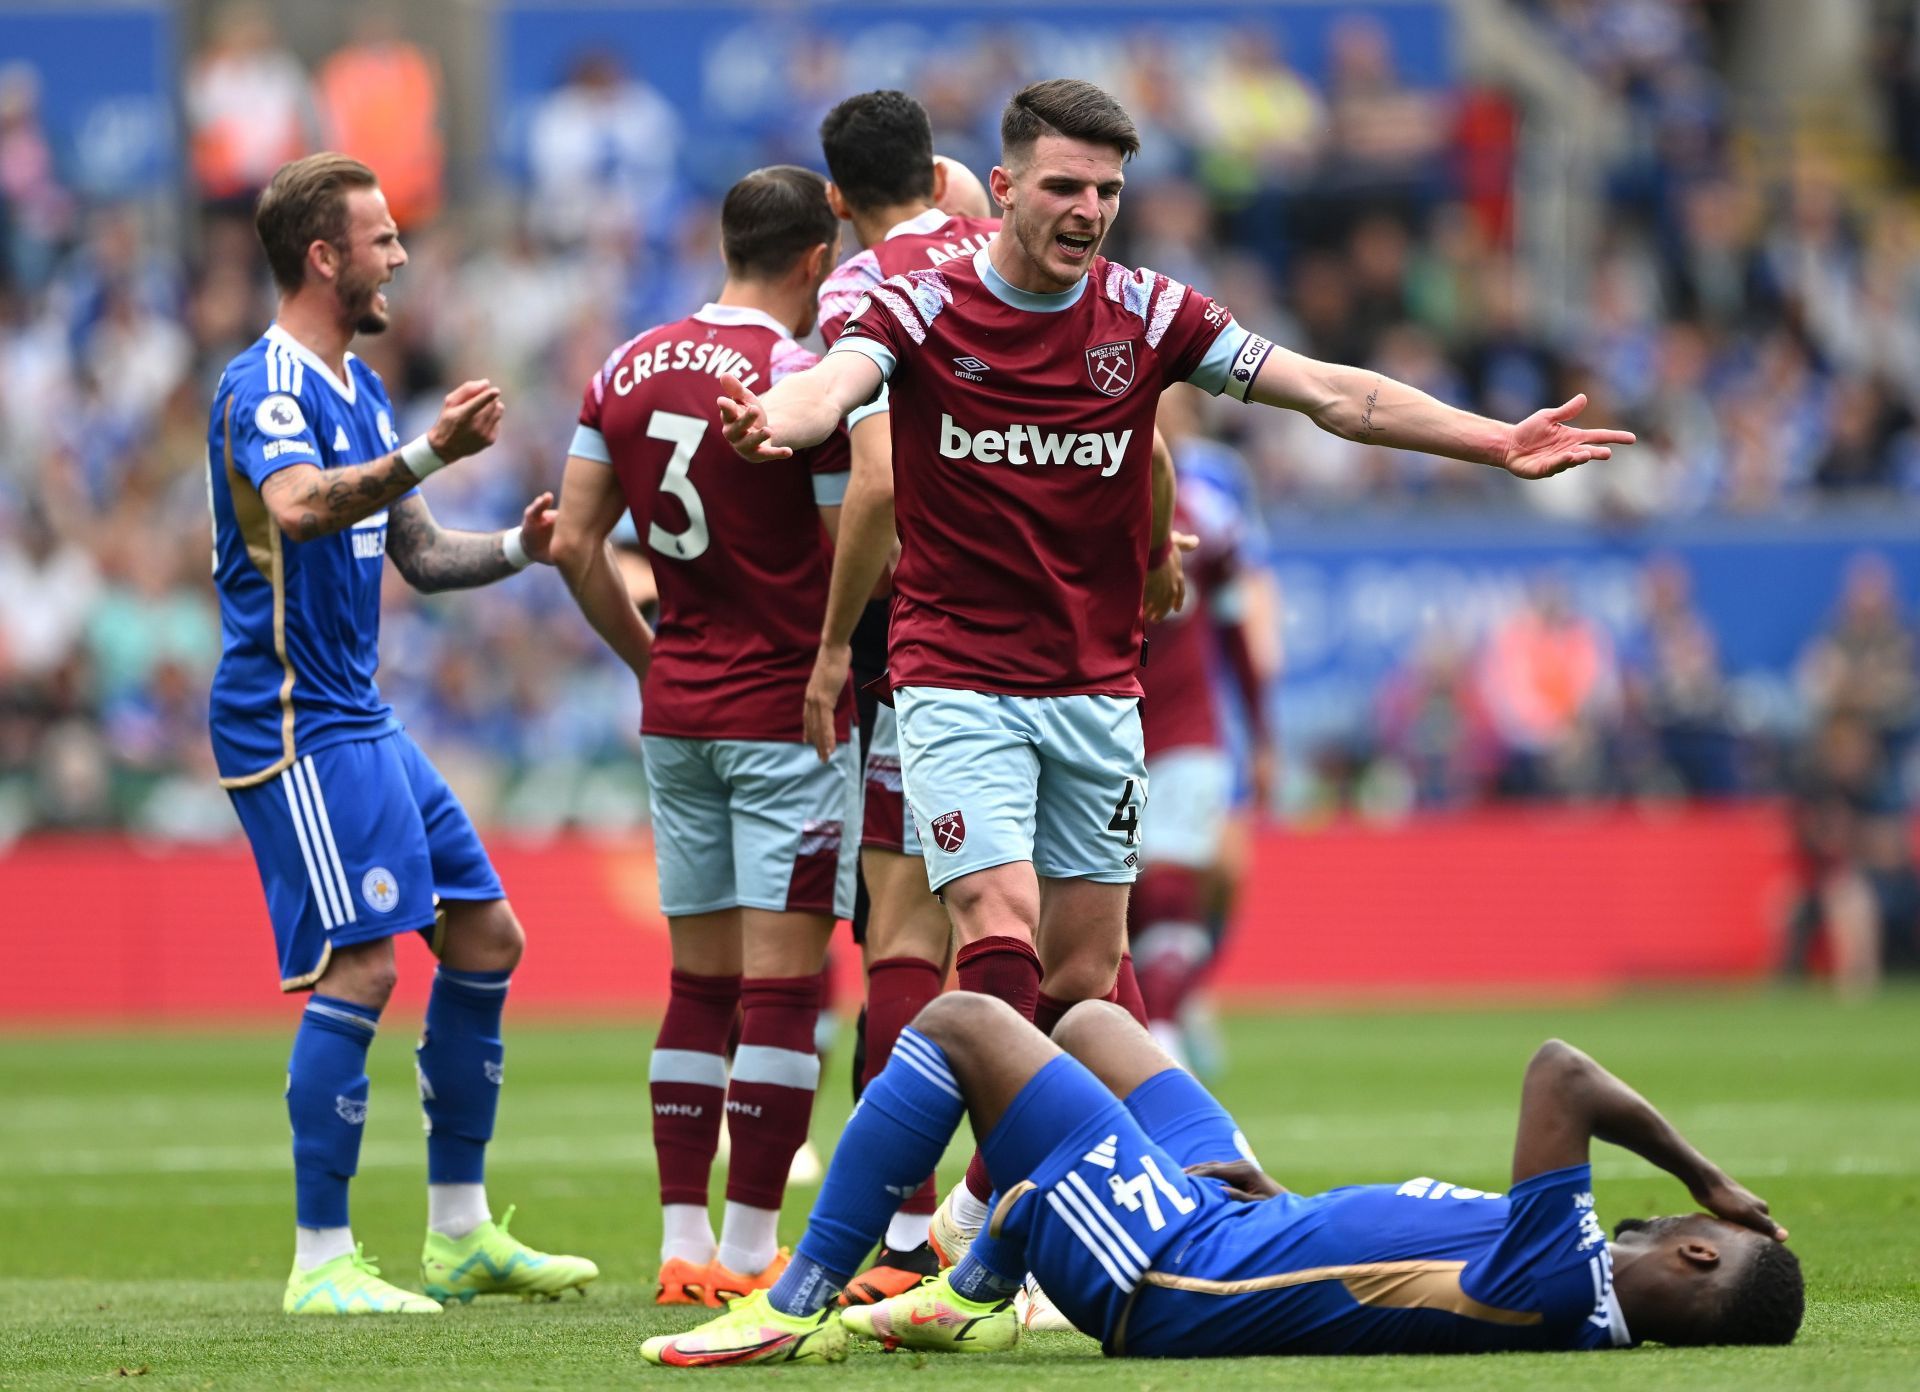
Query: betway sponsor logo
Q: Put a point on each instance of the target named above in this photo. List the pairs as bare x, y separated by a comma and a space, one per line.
1021, 445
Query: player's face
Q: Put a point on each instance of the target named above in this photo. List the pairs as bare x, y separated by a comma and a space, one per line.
1686, 1265
373, 254
1060, 205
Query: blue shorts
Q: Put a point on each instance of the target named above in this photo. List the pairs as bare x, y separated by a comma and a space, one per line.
1060, 781
357, 842
1109, 1197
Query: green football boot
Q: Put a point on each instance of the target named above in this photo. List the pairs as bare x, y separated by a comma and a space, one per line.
752, 1331
937, 1319
350, 1285
491, 1261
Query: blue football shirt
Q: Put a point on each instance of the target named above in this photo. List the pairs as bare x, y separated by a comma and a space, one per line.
299, 620
1420, 1267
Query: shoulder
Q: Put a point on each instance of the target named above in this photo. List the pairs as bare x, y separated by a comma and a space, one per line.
1152, 298
916, 298
788, 357
610, 365
854, 276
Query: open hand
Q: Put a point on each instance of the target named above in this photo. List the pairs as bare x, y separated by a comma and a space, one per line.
536, 528
1545, 443
469, 420
743, 419
1245, 1180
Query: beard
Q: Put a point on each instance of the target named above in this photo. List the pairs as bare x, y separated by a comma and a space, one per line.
359, 304
1038, 244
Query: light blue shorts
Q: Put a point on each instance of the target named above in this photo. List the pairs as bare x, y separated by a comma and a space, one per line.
1192, 794
755, 824
888, 825
1060, 781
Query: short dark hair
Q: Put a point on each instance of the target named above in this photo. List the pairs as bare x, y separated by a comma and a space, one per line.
306, 203
879, 149
1065, 106
1766, 1307
774, 216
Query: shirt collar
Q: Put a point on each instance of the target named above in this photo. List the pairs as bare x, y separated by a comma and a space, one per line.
1006, 292
932, 220
306, 355
733, 316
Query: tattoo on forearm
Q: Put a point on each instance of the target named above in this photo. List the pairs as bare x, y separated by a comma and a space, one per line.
433, 558
331, 499
1367, 427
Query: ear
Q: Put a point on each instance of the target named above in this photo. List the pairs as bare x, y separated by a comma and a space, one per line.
1000, 185
838, 202
1699, 1254
818, 263
939, 181
323, 258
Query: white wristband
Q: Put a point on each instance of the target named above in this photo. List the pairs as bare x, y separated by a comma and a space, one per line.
517, 556
420, 458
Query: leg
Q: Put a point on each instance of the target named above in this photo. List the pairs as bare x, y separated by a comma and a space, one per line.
461, 1060
687, 1071
313, 852
1083, 931
792, 821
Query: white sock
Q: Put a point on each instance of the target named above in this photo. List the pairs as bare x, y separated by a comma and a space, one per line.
317, 1246
968, 1211
689, 1233
1171, 1039
454, 1210
749, 1238
908, 1231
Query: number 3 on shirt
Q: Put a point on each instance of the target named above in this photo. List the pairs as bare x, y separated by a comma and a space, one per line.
683, 433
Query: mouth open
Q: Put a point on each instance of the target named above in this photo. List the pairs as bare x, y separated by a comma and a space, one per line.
1074, 248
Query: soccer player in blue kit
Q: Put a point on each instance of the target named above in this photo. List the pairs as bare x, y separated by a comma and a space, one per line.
356, 836
1133, 1198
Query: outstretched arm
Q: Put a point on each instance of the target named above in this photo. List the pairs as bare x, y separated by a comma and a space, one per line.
308, 501
1373, 409
800, 409
590, 507
1569, 1100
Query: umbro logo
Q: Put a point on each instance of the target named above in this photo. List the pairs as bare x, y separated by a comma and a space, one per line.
970, 368
1103, 1154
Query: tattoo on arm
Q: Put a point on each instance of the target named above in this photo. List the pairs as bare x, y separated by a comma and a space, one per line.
432, 558
1367, 427
323, 501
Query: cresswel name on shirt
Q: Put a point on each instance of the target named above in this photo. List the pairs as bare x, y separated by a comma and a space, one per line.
1029, 444
684, 355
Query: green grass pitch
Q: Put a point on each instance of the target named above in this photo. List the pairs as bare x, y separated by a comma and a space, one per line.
145, 1197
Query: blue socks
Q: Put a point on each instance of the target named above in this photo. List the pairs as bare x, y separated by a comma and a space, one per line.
327, 1104
892, 1141
975, 1278
459, 1063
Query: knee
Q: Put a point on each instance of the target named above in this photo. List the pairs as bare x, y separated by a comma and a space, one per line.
1083, 1027
364, 974
1085, 973
959, 1020
490, 939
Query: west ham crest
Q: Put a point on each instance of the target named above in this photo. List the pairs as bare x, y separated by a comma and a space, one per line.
1110, 366
949, 831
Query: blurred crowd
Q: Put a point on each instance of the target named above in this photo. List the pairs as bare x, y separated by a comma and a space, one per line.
1760, 328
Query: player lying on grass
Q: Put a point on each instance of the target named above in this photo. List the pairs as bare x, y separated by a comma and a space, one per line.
1131, 1195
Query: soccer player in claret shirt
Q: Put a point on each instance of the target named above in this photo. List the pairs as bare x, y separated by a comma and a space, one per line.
357, 838
754, 836
1023, 381
1132, 1194
886, 182
906, 207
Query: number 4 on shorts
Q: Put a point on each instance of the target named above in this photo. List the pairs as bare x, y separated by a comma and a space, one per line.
1126, 815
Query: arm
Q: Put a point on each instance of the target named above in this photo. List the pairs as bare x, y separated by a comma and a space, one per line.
307, 501
433, 558
590, 505
1568, 1100
1373, 409
800, 409
860, 554
1166, 591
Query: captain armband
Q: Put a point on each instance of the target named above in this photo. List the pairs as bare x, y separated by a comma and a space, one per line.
1246, 366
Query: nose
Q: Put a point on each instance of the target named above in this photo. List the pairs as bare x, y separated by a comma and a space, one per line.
399, 255
1087, 204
